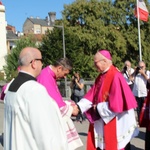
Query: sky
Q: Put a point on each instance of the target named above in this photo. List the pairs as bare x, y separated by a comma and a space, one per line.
18, 11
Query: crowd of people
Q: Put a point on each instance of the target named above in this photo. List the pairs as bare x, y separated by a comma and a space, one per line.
36, 117
140, 79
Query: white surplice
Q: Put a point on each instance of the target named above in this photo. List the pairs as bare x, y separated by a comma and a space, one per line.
32, 121
125, 123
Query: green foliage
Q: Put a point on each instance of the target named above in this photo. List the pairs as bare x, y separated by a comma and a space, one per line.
97, 24
1, 76
12, 58
91, 25
52, 49
52, 46
106, 24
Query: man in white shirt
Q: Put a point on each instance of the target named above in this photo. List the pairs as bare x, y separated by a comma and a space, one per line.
127, 71
140, 77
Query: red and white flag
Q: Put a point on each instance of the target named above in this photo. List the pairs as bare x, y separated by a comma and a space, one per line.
142, 9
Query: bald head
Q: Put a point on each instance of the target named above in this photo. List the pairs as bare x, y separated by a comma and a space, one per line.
27, 55
142, 65
30, 61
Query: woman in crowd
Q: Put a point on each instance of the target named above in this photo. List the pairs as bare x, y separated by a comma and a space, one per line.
77, 86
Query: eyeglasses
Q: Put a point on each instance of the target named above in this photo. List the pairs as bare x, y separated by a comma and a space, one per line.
97, 61
37, 59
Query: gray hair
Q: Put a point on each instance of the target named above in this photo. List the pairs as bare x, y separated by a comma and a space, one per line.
127, 61
65, 62
141, 62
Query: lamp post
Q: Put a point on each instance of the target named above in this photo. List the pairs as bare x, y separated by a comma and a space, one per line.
52, 18
63, 37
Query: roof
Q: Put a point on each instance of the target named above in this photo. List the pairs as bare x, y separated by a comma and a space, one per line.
42, 22
36, 37
11, 35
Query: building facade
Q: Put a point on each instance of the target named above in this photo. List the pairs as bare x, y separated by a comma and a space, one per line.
36, 26
3, 48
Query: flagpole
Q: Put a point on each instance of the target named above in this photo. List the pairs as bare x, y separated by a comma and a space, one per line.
139, 34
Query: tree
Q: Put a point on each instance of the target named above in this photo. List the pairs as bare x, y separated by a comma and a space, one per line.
97, 24
106, 24
52, 49
129, 29
12, 59
91, 25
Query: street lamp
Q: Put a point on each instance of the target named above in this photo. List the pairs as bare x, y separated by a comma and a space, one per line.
52, 18
63, 37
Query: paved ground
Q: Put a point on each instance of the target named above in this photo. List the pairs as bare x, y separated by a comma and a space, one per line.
137, 143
